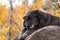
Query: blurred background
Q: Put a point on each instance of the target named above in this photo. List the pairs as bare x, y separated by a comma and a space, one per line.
12, 12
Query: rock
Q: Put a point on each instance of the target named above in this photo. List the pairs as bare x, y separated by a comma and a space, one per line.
46, 33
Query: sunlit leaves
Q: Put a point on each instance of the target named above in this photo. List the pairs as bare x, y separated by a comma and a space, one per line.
58, 12
36, 5
2, 37
3, 22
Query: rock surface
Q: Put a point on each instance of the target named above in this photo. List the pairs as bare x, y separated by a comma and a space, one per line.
46, 33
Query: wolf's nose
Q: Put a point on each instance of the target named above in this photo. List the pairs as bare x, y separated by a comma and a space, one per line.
27, 26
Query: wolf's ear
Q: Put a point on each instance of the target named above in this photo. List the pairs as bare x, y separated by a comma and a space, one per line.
42, 14
36, 11
24, 17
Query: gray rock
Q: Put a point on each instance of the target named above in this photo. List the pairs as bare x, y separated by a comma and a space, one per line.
46, 33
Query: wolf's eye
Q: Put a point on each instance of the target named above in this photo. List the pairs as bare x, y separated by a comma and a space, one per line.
29, 18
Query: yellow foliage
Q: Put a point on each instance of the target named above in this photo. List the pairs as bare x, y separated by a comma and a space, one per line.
36, 5
2, 37
51, 11
18, 14
58, 12
14, 31
3, 22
